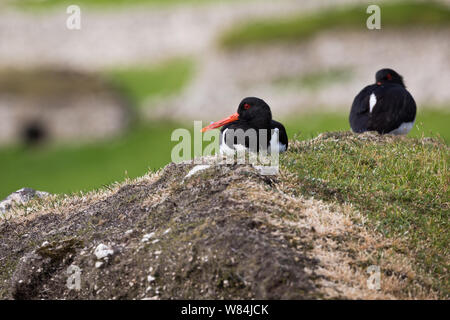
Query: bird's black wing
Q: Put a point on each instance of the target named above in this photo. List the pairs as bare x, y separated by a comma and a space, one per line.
394, 106
360, 111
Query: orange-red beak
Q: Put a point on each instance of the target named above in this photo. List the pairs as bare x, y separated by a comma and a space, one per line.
222, 122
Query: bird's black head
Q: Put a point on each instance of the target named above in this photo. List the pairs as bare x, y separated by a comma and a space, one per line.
256, 111
252, 110
388, 76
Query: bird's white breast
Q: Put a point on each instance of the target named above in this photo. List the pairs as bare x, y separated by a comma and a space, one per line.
224, 148
275, 141
372, 101
404, 128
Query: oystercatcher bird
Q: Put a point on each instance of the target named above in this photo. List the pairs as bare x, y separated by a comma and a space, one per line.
253, 113
385, 107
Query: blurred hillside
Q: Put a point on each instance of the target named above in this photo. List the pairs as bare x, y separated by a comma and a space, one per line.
177, 61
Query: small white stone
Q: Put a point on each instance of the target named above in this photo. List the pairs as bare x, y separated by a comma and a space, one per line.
151, 298
102, 251
167, 231
151, 278
147, 236
158, 252
197, 169
98, 264
129, 232
155, 241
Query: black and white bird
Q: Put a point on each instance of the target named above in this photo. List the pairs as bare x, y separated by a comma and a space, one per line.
385, 107
253, 113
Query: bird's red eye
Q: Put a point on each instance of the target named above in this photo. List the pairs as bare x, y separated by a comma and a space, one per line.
246, 106
389, 76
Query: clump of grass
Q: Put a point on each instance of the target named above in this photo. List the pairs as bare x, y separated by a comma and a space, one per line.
300, 27
400, 184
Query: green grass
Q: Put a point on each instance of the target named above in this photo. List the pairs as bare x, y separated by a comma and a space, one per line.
70, 168
300, 27
66, 169
143, 82
400, 185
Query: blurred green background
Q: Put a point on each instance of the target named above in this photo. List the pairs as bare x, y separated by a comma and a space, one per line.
204, 58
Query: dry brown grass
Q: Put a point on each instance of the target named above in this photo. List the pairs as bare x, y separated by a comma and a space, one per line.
343, 245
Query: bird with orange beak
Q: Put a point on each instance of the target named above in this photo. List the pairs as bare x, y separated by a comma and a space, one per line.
253, 116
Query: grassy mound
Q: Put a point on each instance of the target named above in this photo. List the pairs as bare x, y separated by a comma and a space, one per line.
297, 28
228, 232
400, 184
167, 238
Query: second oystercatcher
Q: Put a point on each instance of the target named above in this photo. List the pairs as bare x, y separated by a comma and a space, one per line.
385, 107
253, 113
